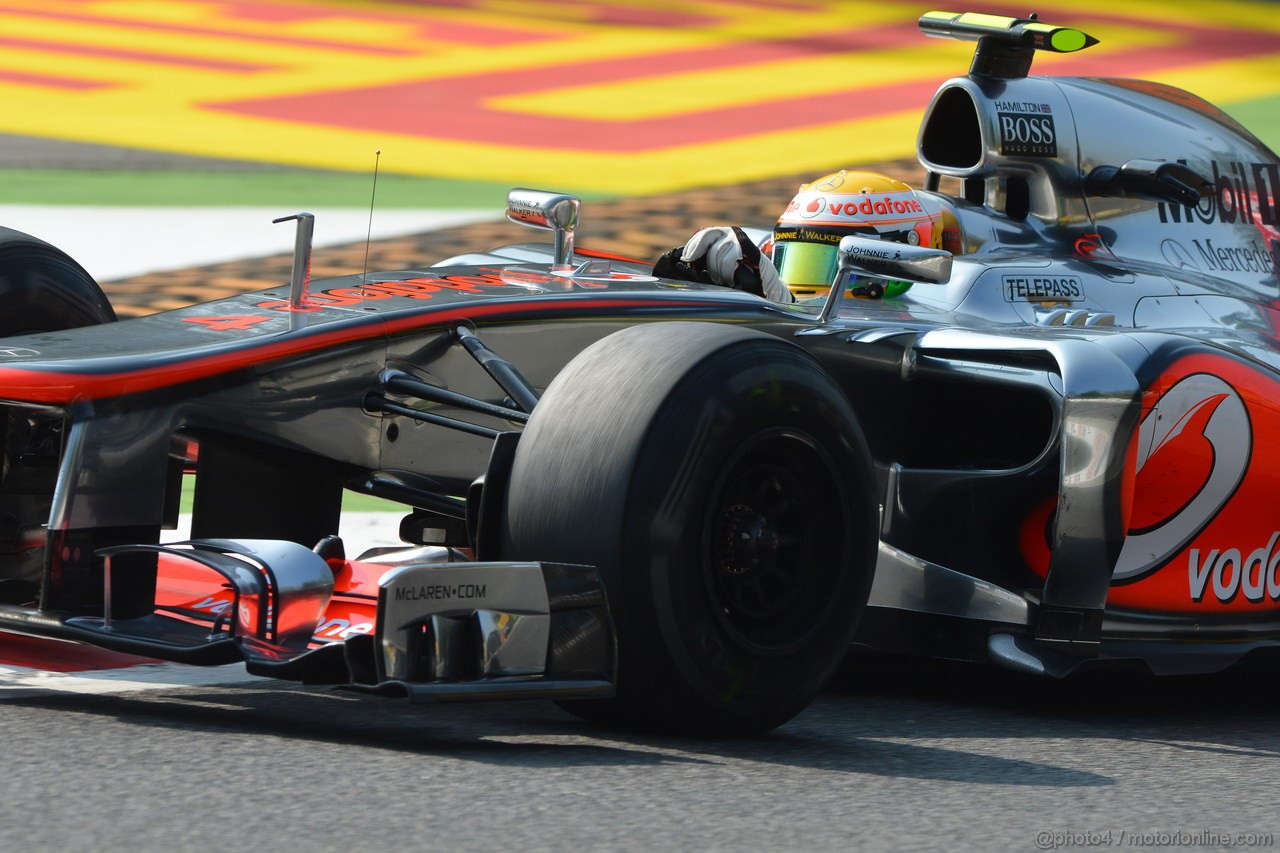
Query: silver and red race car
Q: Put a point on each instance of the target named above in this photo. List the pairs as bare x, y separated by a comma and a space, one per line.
671, 504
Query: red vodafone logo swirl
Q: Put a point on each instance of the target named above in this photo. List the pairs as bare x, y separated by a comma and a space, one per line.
1193, 451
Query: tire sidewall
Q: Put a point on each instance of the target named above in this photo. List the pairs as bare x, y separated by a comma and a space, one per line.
42, 289
618, 467
759, 389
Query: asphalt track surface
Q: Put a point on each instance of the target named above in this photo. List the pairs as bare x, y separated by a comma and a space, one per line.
890, 758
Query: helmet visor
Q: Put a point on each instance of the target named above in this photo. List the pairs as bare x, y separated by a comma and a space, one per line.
805, 263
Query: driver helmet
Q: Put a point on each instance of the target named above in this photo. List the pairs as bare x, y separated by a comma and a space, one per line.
834, 206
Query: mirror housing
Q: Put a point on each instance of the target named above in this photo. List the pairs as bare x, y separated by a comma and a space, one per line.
555, 212
898, 261
868, 256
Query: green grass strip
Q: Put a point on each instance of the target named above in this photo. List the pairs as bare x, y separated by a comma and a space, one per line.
351, 501
217, 188
1262, 116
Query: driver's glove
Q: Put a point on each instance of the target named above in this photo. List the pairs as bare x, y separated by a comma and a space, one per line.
726, 256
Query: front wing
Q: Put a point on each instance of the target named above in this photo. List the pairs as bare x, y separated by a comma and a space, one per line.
441, 632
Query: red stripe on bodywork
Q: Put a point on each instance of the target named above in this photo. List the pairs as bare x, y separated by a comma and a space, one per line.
39, 386
61, 656
596, 253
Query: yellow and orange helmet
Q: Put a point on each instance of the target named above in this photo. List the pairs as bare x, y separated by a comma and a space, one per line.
823, 212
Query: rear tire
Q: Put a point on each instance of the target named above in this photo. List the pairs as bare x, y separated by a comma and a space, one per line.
43, 290
718, 479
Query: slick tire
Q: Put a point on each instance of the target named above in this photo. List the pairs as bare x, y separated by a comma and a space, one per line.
43, 290
718, 479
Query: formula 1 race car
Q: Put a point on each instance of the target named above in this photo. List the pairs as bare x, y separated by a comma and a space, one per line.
673, 504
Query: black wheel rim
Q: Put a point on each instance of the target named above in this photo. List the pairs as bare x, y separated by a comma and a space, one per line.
776, 542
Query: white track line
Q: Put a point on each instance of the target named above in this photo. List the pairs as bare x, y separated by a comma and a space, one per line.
119, 242
19, 681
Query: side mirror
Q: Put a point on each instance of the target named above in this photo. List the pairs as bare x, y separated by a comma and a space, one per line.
899, 261
867, 256
555, 212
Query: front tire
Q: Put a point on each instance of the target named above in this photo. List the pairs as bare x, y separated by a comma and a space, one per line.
718, 479
43, 290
